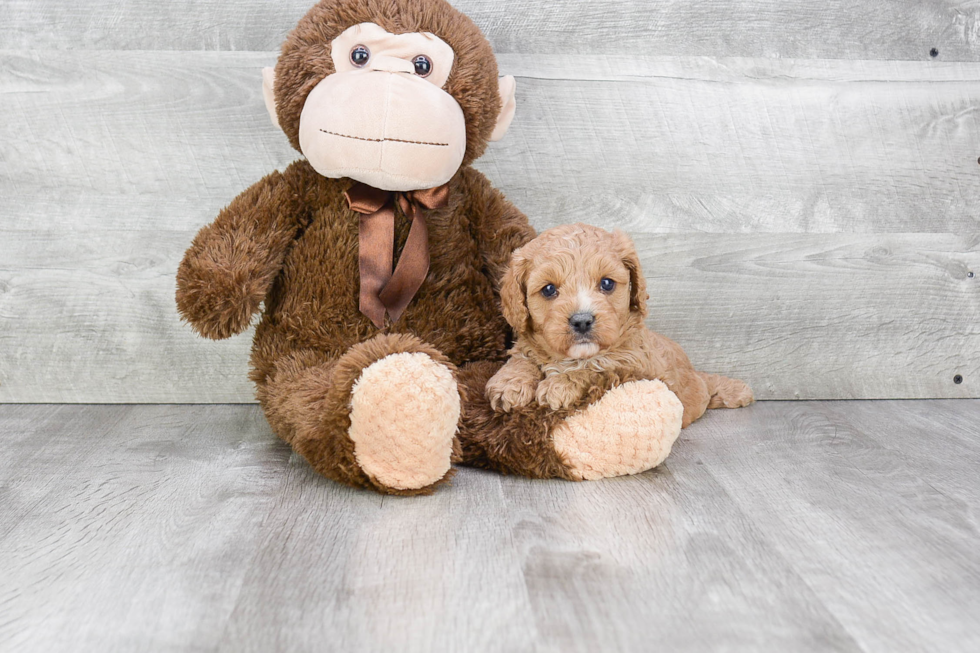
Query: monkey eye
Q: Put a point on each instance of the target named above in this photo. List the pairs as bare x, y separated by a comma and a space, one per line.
549, 291
423, 66
607, 285
359, 56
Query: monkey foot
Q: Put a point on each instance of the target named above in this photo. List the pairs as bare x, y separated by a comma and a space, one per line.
404, 414
628, 431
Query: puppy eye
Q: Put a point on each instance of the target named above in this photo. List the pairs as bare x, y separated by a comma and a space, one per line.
607, 285
549, 291
423, 66
359, 56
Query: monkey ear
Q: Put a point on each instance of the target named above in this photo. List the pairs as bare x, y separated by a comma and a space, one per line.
508, 104
513, 294
268, 93
638, 284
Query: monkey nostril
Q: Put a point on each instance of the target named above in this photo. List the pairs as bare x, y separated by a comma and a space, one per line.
582, 322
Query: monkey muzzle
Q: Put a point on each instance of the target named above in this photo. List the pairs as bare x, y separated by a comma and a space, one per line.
383, 126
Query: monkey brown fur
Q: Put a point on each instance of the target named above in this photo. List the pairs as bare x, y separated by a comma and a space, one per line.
371, 406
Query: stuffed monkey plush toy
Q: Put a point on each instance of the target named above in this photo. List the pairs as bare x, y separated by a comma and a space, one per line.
377, 259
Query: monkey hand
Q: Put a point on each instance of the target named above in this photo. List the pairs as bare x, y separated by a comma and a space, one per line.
220, 284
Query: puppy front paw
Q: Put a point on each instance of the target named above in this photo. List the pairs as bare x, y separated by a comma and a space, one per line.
506, 394
557, 392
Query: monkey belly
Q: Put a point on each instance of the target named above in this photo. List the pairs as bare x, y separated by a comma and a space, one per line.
314, 301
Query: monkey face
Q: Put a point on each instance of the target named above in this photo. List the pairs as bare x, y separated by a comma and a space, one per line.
397, 94
383, 117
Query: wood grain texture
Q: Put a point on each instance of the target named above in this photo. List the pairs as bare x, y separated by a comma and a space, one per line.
818, 526
840, 184
129, 528
822, 316
835, 29
806, 316
164, 140
742, 146
835, 481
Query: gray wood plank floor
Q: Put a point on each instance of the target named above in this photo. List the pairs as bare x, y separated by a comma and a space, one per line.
804, 526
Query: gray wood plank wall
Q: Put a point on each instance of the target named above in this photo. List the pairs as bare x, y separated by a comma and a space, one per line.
802, 181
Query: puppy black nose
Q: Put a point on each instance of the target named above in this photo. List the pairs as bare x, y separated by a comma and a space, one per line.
582, 322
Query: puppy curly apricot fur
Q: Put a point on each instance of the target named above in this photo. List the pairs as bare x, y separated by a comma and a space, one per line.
576, 299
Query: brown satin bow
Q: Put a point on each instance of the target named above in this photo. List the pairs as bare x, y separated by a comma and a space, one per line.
382, 290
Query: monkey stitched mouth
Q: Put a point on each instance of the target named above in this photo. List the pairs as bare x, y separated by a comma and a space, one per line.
382, 140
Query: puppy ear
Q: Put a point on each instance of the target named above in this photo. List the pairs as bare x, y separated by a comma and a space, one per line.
638, 285
513, 293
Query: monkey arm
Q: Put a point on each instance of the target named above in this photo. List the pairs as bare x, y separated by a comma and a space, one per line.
232, 262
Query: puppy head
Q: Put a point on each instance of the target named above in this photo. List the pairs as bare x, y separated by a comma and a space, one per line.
574, 291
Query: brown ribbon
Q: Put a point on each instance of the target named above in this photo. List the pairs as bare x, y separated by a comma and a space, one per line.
382, 290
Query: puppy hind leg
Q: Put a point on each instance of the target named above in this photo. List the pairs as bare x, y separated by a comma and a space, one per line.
726, 392
692, 390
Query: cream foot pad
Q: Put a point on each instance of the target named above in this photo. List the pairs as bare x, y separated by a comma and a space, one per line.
628, 431
404, 414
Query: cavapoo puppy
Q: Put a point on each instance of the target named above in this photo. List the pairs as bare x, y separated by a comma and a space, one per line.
576, 299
